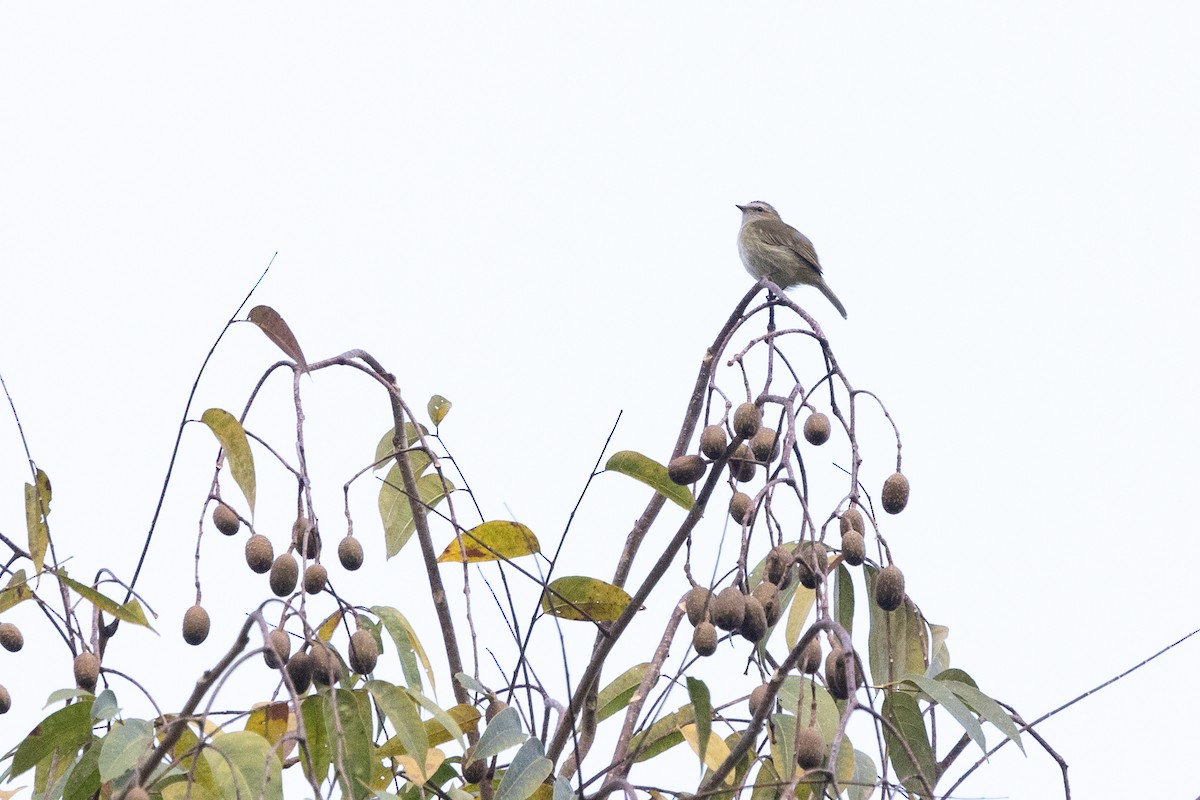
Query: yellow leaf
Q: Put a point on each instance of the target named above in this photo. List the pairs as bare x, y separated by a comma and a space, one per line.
421, 773
582, 598
232, 436
492, 541
438, 408
715, 752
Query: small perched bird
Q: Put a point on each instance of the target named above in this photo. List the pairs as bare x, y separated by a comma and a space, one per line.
770, 248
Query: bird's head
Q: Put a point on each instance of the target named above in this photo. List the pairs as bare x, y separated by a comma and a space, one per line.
758, 209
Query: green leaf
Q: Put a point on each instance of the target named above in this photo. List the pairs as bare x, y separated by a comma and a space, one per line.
662, 735
702, 705
129, 612
616, 695
444, 719
37, 508
396, 510
525, 774
897, 642
582, 598
985, 707
402, 712
438, 408
269, 322
245, 764
943, 694
471, 685
563, 790
901, 709
84, 780
407, 645
66, 730
796, 698
104, 707
123, 746
862, 784
651, 473
492, 541
843, 600
767, 785
357, 752
503, 732
232, 436
386, 449
315, 711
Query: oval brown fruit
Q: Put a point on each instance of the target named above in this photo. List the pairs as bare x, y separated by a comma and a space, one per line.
284, 574
11, 638
765, 445
364, 651
704, 639
758, 698
697, 603
685, 470
741, 507
854, 548
5, 700
754, 620
895, 493
852, 519
810, 658
315, 576
87, 671
494, 708
747, 419
226, 519
277, 648
767, 593
741, 464
835, 675
475, 771
778, 566
299, 669
817, 429
259, 553
810, 748
350, 553
889, 588
811, 565
310, 545
195, 625
713, 441
326, 668
728, 609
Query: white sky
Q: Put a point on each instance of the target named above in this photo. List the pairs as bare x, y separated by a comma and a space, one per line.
529, 209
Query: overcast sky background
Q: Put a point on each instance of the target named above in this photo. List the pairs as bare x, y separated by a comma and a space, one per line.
529, 209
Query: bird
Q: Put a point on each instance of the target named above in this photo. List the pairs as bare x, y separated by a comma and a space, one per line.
770, 248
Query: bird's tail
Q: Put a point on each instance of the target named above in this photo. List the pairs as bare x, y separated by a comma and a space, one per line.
825, 290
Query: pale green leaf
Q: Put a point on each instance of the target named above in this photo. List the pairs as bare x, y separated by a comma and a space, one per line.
525, 774
386, 449
651, 473
616, 695
396, 511
402, 712
130, 612
987, 708
702, 706
407, 644
120, 750
232, 436
943, 694
244, 764
862, 785
901, 709
503, 732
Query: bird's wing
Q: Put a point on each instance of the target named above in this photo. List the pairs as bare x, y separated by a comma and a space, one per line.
779, 234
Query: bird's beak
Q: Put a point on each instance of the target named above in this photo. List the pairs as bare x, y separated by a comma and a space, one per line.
739, 208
